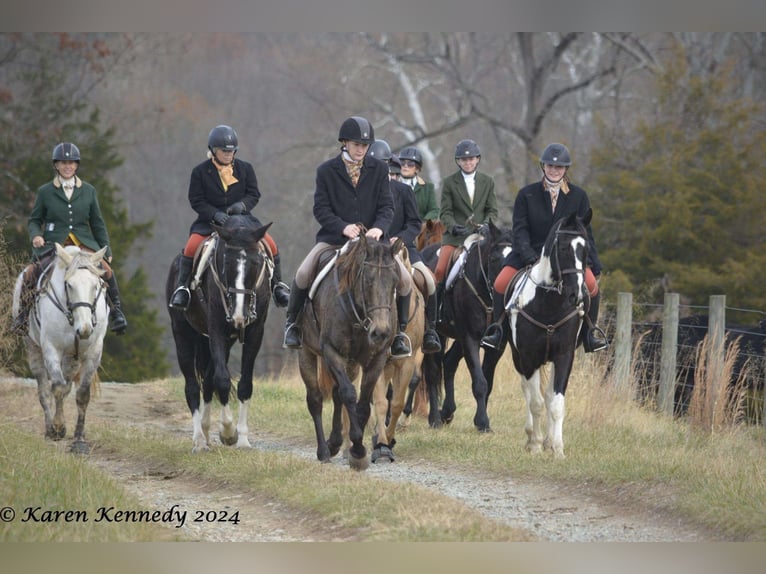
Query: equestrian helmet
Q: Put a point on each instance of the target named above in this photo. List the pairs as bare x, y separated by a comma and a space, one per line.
66, 151
467, 148
555, 154
394, 165
412, 153
380, 150
223, 137
356, 129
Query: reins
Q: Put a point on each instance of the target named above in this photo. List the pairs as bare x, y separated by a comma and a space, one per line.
349, 304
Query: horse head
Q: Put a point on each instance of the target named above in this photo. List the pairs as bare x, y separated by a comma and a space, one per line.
78, 275
367, 276
240, 267
565, 255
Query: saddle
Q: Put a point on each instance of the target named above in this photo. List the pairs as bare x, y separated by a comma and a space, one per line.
457, 261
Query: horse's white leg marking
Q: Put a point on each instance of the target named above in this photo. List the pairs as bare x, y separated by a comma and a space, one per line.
206, 413
548, 442
242, 430
228, 433
199, 437
556, 415
239, 298
535, 407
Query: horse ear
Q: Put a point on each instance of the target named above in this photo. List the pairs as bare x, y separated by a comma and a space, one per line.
62, 254
98, 255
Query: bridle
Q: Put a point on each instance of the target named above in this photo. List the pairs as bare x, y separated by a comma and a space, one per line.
348, 302
68, 307
486, 281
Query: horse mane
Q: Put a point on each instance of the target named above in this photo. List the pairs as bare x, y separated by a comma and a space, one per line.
350, 261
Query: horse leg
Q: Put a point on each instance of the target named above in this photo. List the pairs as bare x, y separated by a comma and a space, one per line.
250, 348
478, 384
59, 389
44, 394
338, 434
432, 375
82, 398
221, 380
450, 364
554, 402
401, 379
357, 453
383, 408
191, 350
489, 365
535, 407
307, 364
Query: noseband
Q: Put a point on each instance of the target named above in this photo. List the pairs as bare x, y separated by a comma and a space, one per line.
227, 291
348, 302
68, 307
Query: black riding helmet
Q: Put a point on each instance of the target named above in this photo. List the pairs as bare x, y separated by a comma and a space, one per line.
356, 129
467, 148
380, 150
223, 137
412, 153
555, 154
394, 165
66, 151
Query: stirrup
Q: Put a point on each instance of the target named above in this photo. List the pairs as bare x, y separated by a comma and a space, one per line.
182, 289
592, 344
292, 339
403, 352
493, 337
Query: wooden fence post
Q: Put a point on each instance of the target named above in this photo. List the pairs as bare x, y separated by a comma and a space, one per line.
715, 358
668, 358
623, 342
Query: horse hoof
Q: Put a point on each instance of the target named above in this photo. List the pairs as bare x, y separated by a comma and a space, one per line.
447, 419
79, 447
484, 429
228, 440
358, 463
55, 433
198, 449
243, 443
382, 453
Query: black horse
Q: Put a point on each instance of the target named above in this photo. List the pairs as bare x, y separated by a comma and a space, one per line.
230, 303
466, 311
348, 326
545, 316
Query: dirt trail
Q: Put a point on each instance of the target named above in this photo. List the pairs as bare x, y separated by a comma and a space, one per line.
548, 512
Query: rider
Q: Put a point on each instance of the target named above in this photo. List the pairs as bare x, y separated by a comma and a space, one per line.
406, 226
66, 211
537, 207
219, 187
425, 196
468, 198
351, 191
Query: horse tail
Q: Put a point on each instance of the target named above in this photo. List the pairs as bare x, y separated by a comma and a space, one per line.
324, 380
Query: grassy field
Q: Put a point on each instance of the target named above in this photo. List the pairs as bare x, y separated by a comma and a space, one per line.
616, 450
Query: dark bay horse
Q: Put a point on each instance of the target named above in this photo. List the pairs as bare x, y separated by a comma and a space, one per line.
230, 303
348, 326
545, 314
466, 312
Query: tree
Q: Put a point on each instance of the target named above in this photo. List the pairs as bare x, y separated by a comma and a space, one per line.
682, 198
40, 111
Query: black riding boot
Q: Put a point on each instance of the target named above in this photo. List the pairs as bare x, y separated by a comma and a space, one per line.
117, 322
595, 338
294, 307
493, 336
440, 287
401, 347
182, 296
279, 290
431, 343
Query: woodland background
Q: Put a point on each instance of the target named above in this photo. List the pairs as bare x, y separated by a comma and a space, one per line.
666, 132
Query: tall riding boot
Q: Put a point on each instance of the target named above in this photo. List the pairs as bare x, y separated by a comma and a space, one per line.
117, 322
27, 295
297, 299
595, 338
431, 343
279, 290
493, 336
401, 347
440, 288
182, 296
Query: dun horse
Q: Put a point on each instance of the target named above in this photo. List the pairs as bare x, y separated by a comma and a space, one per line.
65, 338
230, 303
348, 325
545, 316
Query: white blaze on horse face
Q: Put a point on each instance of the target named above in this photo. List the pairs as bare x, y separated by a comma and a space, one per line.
580, 266
239, 298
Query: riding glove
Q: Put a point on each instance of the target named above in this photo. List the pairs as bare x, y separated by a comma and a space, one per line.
238, 208
220, 218
458, 230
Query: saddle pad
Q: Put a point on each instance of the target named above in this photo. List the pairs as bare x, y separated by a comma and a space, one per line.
203, 259
322, 274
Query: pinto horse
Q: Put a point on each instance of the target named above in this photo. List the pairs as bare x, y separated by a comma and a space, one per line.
230, 303
466, 313
348, 326
65, 337
544, 316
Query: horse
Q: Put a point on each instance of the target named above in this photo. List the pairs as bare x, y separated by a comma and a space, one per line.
229, 303
348, 325
397, 375
431, 231
65, 336
466, 311
544, 317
